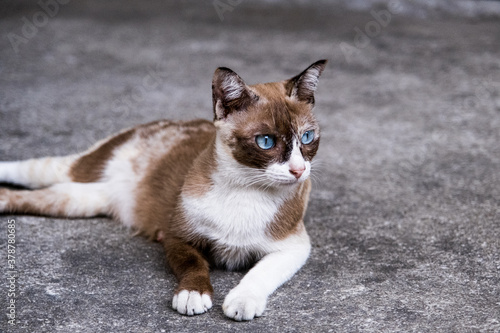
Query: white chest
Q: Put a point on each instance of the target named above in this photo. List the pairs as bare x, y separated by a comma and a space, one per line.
235, 217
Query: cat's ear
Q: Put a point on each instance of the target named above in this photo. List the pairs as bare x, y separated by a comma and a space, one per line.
229, 93
303, 86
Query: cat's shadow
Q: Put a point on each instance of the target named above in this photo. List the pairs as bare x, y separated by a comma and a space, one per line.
13, 186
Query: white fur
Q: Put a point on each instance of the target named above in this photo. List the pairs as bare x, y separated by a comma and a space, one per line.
310, 79
37, 173
232, 88
296, 160
248, 299
234, 216
81, 199
191, 302
280, 173
123, 180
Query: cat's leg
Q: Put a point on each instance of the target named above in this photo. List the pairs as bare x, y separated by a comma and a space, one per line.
64, 200
37, 173
194, 292
248, 299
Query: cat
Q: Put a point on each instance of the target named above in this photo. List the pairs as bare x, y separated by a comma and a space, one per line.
231, 193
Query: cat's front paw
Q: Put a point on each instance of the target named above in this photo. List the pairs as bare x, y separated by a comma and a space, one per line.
190, 302
243, 304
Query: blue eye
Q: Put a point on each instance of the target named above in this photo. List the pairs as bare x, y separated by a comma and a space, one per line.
265, 141
307, 137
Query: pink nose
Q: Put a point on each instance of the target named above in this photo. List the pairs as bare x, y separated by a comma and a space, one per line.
297, 172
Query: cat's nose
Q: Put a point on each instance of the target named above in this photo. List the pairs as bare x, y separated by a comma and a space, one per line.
297, 172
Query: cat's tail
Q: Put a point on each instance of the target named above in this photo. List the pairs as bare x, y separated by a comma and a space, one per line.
37, 173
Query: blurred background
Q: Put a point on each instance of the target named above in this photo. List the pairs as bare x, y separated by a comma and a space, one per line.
404, 215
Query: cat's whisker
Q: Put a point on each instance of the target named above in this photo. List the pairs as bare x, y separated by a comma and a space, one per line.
317, 165
315, 179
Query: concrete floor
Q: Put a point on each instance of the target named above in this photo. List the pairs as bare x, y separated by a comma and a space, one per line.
405, 212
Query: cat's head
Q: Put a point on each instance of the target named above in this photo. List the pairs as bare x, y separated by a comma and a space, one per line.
268, 130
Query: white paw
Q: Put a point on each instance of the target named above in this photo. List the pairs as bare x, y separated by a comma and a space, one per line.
191, 302
243, 304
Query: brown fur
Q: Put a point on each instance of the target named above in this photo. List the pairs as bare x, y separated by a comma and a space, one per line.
89, 167
188, 265
26, 203
165, 179
291, 214
198, 181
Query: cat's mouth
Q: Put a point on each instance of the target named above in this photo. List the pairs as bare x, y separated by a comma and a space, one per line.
284, 174
286, 181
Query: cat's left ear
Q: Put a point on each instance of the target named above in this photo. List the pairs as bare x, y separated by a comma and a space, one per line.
229, 93
303, 86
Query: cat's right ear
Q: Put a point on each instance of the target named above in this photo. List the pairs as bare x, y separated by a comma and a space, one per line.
229, 93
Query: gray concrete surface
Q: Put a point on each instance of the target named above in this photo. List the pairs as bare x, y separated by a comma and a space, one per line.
404, 217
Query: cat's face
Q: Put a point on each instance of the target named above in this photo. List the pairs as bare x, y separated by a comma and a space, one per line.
268, 129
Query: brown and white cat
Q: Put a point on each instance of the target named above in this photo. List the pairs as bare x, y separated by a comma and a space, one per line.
225, 194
